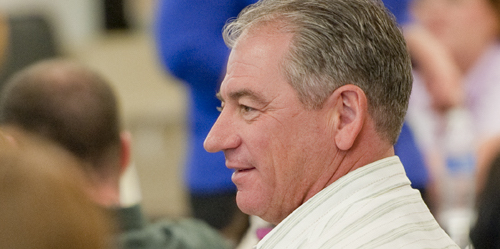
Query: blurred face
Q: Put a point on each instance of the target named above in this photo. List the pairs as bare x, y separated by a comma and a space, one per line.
459, 24
277, 148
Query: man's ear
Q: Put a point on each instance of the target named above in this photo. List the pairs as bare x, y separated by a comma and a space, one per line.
349, 108
125, 150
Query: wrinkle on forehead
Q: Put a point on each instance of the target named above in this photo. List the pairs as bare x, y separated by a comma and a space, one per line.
240, 69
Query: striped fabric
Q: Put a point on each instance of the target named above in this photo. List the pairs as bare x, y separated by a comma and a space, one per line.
371, 207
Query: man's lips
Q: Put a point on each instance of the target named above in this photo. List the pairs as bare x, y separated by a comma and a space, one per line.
243, 170
241, 173
237, 167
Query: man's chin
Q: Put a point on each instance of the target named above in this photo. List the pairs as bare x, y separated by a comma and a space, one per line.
249, 204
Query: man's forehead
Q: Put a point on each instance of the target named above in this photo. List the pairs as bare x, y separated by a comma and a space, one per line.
254, 66
241, 79
243, 67
252, 49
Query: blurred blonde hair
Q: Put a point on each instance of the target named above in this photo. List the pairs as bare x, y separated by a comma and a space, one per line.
43, 204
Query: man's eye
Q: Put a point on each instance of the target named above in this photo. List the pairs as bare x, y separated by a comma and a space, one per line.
246, 109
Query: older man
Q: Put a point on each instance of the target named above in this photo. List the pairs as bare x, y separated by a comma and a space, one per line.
312, 103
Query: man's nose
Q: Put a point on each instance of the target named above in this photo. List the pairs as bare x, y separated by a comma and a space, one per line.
222, 136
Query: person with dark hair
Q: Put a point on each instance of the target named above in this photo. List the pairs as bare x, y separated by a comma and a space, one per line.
313, 100
75, 107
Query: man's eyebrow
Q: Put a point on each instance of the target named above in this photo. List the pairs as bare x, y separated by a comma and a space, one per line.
244, 93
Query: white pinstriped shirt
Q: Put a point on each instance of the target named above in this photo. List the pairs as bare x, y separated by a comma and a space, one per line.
371, 207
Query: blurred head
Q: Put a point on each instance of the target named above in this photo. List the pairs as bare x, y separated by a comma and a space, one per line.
463, 26
73, 106
292, 66
43, 204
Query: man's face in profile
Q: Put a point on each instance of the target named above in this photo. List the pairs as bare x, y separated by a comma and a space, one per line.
274, 144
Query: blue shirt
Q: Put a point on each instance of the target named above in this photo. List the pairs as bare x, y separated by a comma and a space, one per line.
190, 46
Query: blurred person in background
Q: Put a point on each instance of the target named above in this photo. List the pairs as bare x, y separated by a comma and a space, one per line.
441, 78
43, 203
75, 107
468, 32
459, 142
190, 46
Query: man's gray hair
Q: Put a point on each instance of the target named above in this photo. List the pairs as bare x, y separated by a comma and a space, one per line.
335, 43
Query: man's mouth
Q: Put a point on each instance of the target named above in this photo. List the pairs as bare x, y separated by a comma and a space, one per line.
243, 170
240, 176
